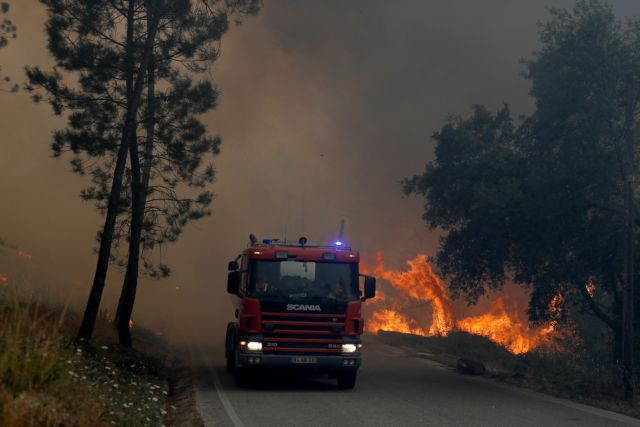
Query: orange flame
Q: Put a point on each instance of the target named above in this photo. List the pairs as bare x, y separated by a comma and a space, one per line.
591, 288
421, 284
507, 330
390, 320
25, 255
111, 318
3, 278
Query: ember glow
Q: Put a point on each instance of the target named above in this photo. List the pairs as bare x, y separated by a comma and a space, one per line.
3, 278
25, 255
390, 320
591, 288
111, 318
502, 324
506, 329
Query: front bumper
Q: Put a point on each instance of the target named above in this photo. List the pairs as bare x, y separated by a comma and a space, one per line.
300, 362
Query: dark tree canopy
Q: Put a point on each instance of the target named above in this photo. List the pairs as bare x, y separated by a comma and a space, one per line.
539, 201
125, 80
7, 31
87, 39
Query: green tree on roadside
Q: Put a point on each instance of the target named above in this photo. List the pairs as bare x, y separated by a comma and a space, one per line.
549, 202
7, 31
123, 78
175, 141
96, 42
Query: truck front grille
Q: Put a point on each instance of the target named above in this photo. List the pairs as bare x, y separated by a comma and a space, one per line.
302, 332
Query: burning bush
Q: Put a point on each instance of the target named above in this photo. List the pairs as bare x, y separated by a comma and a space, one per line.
503, 324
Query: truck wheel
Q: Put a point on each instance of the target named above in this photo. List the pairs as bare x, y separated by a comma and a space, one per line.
347, 380
229, 348
231, 362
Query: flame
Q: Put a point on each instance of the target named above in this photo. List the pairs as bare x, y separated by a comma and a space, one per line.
420, 284
391, 320
25, 255
111, 318
591, 288
505, 329
3, 278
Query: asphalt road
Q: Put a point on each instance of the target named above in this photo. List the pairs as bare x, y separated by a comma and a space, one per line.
393, 389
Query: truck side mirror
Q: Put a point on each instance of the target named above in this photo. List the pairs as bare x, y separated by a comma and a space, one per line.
233, 266
233, 282
369, 287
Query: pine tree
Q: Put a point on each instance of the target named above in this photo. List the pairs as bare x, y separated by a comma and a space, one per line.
171, 160
7, 31
104, 51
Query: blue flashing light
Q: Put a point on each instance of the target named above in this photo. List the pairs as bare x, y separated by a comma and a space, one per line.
339, 243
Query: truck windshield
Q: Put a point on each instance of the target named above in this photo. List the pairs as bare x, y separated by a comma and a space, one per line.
294, 280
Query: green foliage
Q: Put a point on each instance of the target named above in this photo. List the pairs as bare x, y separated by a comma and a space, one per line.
45, 382
89, 85
7, 31
31, 355
540, 201
470, 190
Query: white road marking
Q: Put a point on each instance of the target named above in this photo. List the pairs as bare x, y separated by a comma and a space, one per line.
228, 407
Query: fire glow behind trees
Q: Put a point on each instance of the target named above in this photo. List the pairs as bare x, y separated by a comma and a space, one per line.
504, 323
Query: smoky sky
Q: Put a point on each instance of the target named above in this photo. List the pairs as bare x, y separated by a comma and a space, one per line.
325, 106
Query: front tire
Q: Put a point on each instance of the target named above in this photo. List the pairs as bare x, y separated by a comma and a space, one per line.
231, 362
230, 348
347, 380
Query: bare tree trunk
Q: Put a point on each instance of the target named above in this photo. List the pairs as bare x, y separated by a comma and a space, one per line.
104, 254
627, 310
628, 335
139, 186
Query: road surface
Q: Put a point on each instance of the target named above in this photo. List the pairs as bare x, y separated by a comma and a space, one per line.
393, 389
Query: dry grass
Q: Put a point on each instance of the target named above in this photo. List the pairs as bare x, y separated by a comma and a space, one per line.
46, 381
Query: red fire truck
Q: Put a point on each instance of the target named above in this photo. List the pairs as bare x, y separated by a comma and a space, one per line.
298, 308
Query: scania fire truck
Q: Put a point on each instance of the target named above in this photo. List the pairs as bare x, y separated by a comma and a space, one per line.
298, 308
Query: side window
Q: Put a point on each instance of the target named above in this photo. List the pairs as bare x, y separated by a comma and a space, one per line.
243, 275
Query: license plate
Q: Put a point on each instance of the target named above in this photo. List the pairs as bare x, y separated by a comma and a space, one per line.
304, 360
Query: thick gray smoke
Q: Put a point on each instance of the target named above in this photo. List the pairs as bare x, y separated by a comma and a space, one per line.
325, 107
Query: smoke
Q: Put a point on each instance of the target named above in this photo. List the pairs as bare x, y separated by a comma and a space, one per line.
325, 107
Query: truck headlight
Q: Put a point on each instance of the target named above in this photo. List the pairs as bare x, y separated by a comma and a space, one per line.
254, 346
348, 348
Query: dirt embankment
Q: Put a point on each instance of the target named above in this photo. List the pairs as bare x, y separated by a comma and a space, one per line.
47, 380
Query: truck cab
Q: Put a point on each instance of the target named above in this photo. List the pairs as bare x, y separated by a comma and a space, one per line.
298, 308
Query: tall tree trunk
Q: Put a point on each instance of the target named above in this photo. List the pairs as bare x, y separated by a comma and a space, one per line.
104, 253
139, 186
628, 335
627, 310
